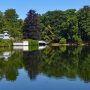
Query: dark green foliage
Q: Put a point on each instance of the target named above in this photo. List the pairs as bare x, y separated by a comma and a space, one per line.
72, 62
1, 21
52, 23
52, 26
56, 62
31, 61
72, 25
84, 23
31, 26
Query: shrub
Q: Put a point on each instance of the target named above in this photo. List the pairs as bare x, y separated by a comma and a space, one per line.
77, 39
33, 42
6, 43
63, 41
33, 45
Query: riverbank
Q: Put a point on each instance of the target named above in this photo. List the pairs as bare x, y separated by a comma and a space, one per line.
35, 43
69, 44
6, 43
9, 43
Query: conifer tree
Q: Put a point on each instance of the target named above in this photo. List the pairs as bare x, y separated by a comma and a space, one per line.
31, 26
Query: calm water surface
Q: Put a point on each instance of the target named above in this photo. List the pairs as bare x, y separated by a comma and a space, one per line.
54, 68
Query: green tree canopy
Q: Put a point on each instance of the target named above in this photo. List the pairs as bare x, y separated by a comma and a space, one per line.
31, 25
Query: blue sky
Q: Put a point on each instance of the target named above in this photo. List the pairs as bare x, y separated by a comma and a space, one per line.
41, 6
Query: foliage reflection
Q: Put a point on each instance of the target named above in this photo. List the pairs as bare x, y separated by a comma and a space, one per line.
54, 62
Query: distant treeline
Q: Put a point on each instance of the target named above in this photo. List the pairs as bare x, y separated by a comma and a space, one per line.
71, 25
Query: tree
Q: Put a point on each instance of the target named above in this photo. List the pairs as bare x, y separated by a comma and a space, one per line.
11, 23
1, 21
53, 25
10, 15
31, 25
84, 23
72, 25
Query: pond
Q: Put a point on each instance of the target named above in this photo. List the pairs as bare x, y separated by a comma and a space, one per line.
53, 68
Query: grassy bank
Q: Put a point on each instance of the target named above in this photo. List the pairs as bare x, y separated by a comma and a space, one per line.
69, 44
10, 42
6, 43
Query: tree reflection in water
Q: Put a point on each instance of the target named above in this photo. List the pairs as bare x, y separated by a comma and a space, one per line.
55, 62
32, 63
9, 69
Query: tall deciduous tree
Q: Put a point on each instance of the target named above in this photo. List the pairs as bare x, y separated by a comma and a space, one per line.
31, 25
11, 15
72, 25
53, 25
10, 21
84, 23
1, 21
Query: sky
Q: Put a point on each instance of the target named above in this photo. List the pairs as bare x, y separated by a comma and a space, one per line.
41, 6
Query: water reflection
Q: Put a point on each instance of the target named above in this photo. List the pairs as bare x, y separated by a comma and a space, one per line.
9, 69
67, 62
32, 63
26, 48
53, 62
5, 55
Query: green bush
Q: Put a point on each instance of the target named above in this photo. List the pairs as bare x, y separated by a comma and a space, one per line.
33, 45
63, 41
6, 43
33, 48
77, 39
33, 42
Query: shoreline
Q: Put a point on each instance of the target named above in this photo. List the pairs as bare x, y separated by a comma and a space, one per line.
68, 44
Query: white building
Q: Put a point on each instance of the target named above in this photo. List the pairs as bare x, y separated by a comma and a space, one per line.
5, 35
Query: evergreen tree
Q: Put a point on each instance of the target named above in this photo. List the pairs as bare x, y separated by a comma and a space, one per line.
31, 25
